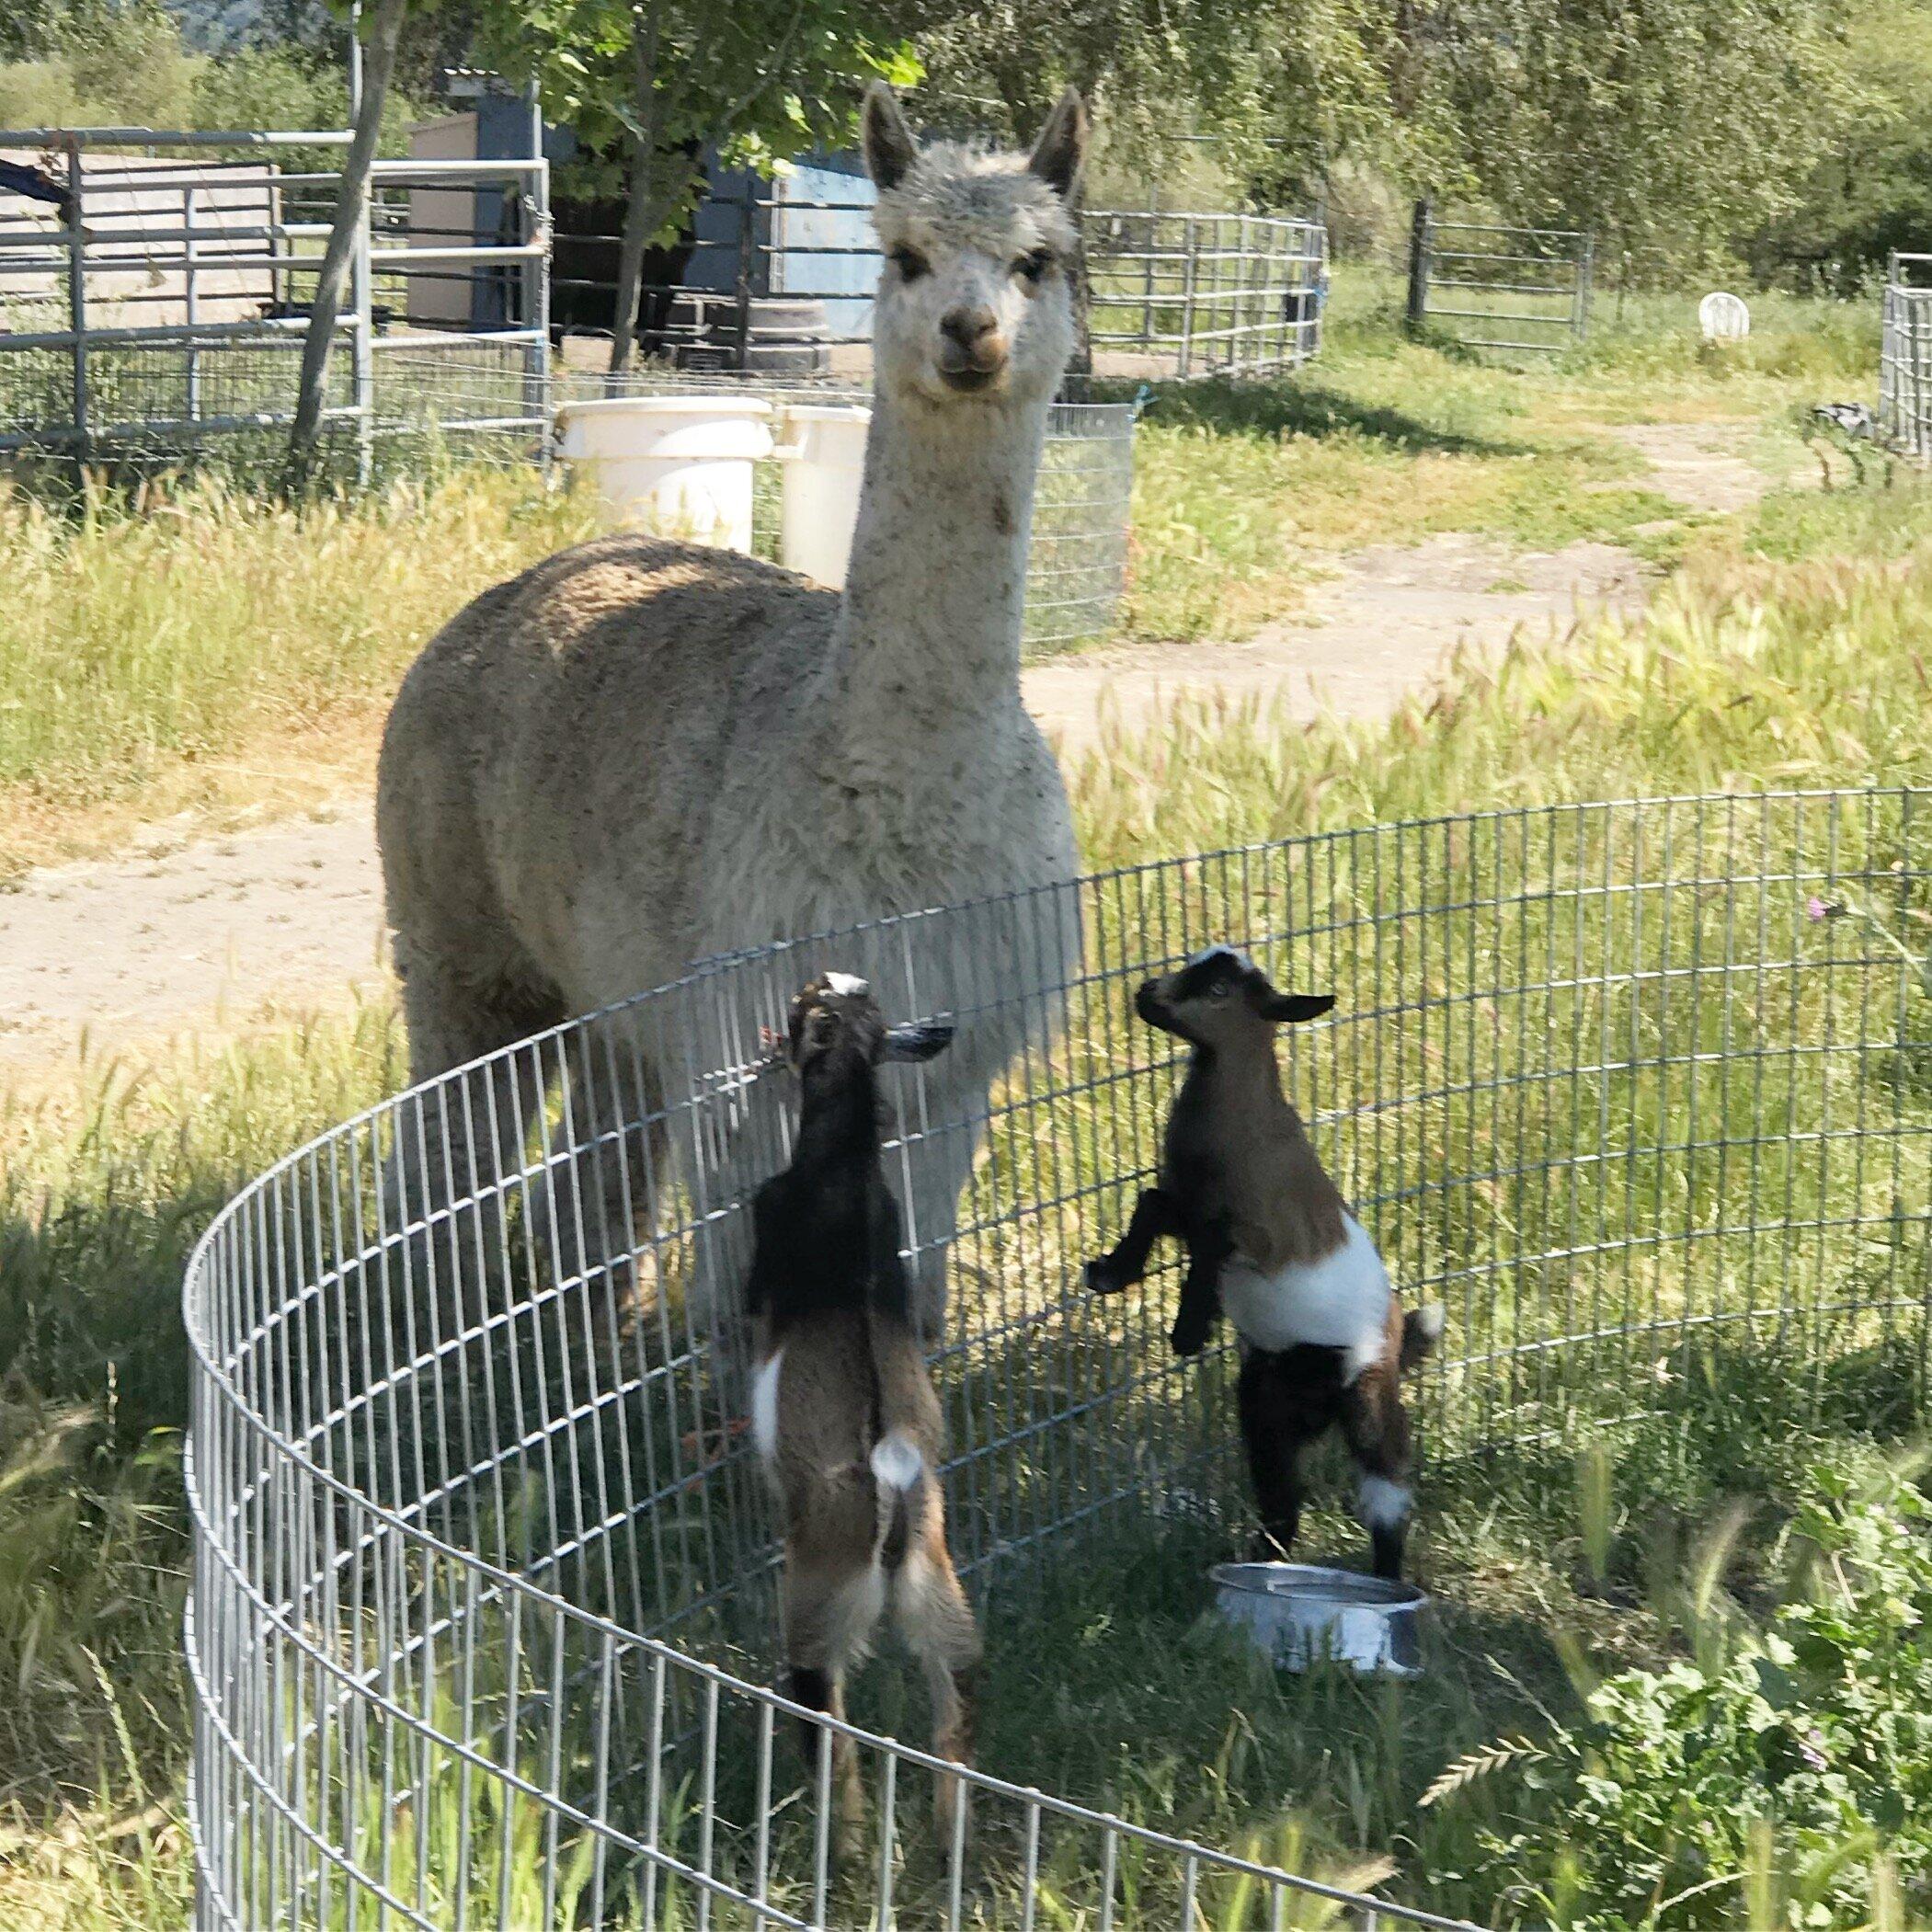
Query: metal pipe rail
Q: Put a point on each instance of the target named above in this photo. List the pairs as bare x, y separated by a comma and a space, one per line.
483, 1585
214, 240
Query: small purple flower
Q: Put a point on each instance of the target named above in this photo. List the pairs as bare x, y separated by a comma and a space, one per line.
1816, 909
1811, 1747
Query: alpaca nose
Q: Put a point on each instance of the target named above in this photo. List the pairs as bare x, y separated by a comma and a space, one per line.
971, 341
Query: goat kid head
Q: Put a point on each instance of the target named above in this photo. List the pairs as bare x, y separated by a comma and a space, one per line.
1221, 998
974, 301
835, 1025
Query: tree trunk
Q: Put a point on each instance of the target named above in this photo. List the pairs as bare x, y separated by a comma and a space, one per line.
1080, 291
640, 214
379, 64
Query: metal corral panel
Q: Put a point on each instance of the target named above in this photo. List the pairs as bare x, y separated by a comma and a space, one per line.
137, 212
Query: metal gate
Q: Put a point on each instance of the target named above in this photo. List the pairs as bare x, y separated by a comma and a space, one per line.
1905, 357
1489, 287
163, 299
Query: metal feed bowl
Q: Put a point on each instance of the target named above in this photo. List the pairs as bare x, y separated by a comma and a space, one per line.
480, 1627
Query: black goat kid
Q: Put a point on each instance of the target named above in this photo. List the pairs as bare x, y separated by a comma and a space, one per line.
1271, 1239
844, 1412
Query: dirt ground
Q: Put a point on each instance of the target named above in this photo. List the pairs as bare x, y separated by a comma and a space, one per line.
213, 932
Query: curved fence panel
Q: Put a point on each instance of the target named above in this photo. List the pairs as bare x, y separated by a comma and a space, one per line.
482, 1594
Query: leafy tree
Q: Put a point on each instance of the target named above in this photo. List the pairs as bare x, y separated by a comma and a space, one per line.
762, 79
1671, 128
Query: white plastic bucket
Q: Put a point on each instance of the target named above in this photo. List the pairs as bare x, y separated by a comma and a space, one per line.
684, 463
826, 463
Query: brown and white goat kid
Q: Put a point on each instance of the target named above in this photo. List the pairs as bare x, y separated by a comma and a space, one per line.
1270, 1240
844, 1414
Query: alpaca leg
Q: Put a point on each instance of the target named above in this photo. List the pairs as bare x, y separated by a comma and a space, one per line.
1281, 1413
938, 1625
443, 1221
605, 1172
1376, 1427
1154, 1215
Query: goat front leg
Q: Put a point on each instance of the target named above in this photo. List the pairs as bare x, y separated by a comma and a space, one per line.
1155, 1214
1207, 1248
1281, 1415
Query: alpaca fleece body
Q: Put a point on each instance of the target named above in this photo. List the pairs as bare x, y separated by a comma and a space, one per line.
641, 753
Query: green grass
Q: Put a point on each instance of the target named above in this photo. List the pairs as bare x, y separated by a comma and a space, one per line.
187, 647
1798, 673
1243, 489
1792, 650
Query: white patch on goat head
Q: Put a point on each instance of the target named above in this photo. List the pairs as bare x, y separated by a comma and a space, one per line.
848, 986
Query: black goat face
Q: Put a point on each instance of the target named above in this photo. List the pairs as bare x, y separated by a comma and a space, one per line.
837, 1013
1219, 996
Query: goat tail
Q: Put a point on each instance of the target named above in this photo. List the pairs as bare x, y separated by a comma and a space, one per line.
897, 1469
1422, 1330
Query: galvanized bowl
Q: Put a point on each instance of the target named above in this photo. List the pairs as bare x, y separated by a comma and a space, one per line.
1296, 1613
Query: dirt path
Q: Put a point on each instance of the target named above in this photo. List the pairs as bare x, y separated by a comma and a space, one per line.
142, 947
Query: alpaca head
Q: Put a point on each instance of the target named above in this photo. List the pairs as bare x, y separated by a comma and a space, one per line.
975, 301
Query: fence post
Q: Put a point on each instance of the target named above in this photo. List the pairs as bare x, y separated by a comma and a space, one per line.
1585, 263
746, 243
78, 290
1187, 293
1418, 264
362, 343
536, 283
190, 302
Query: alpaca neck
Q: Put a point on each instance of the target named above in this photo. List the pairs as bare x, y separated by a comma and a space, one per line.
928, 640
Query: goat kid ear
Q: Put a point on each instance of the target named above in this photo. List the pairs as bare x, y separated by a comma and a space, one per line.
1061, 151
917, 1040
1297, 1006
889, 147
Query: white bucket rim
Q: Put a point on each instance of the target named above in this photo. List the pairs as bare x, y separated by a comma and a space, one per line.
830, 412
725, 405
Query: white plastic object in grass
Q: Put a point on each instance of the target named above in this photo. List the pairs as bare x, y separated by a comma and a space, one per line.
825, 444
1297, 1614
683, 464
1723, 317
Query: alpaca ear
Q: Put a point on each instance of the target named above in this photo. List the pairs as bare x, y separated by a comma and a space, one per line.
890, 149
1061, 151
917, 1040
1297, 1006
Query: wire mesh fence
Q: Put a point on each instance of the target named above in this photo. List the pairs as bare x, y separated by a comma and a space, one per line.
1205, 295
1516, 290
1077, 567
483, 1597
1905, 357
157, 309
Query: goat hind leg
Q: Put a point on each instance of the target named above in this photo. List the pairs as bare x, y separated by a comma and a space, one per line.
938, 1625
1376, 1427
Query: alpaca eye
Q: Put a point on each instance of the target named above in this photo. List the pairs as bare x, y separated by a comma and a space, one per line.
909, 262
1032, 266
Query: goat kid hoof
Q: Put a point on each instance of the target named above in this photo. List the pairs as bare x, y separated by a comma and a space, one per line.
1187, 1344
1102, 1279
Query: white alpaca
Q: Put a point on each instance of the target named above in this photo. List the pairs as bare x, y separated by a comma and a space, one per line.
641, 753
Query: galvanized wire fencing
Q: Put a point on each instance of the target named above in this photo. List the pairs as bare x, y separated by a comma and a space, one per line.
1905, 357
481, 1612
1204, 294
1076, 571
1516, 289
161, 304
